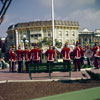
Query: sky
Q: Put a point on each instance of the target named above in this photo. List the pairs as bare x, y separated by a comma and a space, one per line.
86, 12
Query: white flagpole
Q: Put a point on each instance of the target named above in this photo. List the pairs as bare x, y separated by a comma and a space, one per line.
53, 27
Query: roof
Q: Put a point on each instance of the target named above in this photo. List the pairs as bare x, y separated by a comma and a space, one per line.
85, 31
44, 23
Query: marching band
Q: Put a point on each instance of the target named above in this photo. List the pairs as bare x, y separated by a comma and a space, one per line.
33, 55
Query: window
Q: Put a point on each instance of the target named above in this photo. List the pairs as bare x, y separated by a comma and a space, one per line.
32, 35
73, 33
39, 35
60, 33
66, 33
36, 35
49, 35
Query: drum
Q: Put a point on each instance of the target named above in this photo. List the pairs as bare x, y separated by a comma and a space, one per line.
88, 53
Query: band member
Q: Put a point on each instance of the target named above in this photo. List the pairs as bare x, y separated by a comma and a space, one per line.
26, 57
95, 50
56, 54
19, 53
36, 53
50, 53
13, 55
99, 57
82, 55
66, 55
77, 56
10, 58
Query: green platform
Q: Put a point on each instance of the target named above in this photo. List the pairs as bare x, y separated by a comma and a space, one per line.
86, 94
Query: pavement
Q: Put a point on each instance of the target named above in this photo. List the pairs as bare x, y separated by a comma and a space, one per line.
7, 76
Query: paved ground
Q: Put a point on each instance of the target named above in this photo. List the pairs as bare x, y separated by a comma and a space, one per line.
6, 75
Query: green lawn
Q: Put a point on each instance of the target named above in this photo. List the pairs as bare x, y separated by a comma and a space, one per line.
86, 94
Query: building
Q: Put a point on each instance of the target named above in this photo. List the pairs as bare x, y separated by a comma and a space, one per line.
38, 30
87, 36
2, 44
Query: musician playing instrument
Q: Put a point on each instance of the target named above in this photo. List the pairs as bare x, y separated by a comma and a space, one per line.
77, 56
50, 53
36, 53
10, 58
26, 57
96, 50
19, 53
13, 56
66, 54
82, 54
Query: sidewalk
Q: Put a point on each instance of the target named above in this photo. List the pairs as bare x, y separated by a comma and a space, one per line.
6, 75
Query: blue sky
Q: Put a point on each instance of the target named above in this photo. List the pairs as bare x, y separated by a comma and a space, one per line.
86, 12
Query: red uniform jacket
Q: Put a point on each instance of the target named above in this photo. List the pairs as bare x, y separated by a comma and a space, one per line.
35, 54
13, 55
82, 52
19, 54
30, 55
26, 54
66, 53
76, 52
50, 54
98, 52
95, 50
10, 56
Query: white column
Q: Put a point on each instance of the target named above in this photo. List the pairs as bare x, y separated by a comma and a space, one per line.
16, 32
53, 33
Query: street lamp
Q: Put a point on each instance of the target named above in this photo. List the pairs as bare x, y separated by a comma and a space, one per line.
24, 40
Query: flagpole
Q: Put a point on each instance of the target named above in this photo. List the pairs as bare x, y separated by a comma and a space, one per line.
53, 31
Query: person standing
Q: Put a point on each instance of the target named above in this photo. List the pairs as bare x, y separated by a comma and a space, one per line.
99, 57
19, 53
26, 57
66, 55
77, 56
10, 58
82, 55
13, 55
95, 50
36, 53
50, 53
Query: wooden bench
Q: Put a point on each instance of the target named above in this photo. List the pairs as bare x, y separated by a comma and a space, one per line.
52, 67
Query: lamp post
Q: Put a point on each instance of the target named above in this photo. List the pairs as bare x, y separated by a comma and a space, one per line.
24, 40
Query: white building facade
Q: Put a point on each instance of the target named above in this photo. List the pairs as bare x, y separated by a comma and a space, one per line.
38, 30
